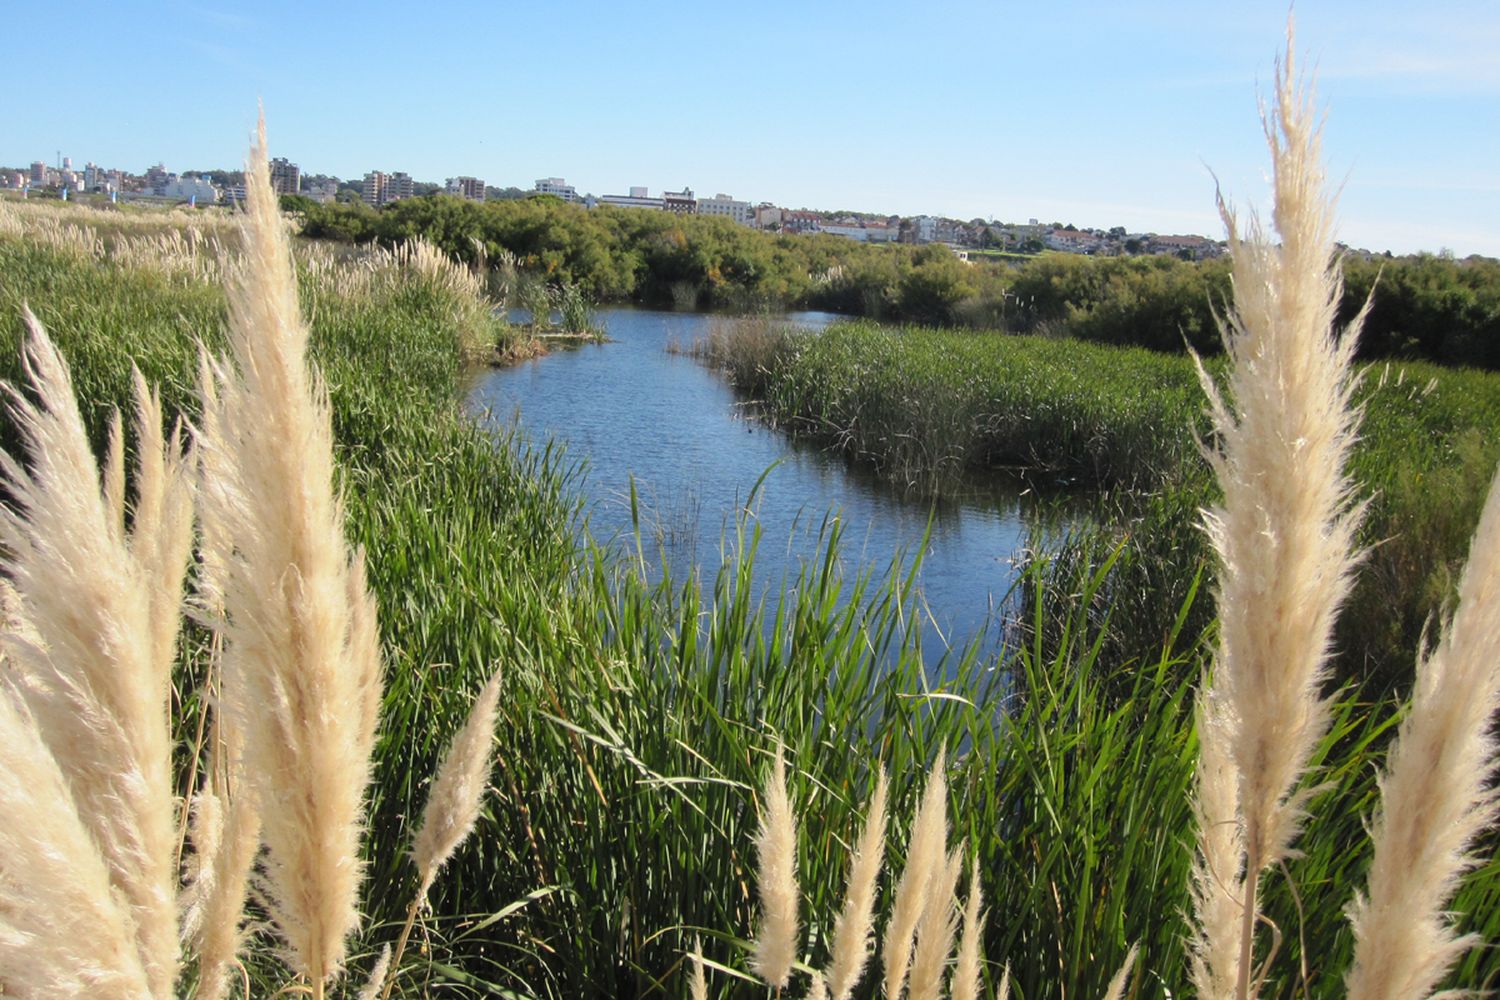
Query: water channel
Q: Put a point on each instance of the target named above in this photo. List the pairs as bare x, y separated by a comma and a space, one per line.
632, 410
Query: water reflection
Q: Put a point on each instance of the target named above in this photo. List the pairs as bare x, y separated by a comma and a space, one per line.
637, 413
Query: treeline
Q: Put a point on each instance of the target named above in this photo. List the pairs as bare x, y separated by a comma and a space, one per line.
1425, 307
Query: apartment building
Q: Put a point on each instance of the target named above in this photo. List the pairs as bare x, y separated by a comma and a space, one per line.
286, 177
727, 207
470, 188
557, 186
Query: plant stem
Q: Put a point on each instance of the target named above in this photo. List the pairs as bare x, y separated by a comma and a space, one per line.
1247, 918
411, 918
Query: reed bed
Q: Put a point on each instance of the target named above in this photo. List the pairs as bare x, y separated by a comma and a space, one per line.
928, 408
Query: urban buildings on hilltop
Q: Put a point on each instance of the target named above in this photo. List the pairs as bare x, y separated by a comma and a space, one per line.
380, 188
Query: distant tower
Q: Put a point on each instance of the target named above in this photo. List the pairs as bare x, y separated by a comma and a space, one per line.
286, 177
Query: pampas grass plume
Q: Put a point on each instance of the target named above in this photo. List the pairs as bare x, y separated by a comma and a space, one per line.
1437, 794
1116, 988
853, 928
1284, 532
936, 929
697, 981
453, 804
452, 807
373, 986
65, 931
776, 854
925, 858
90, 658
301, 669
966, 975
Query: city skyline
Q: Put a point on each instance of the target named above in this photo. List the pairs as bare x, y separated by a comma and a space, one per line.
1081, 113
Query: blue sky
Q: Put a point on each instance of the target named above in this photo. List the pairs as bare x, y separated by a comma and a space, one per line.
1100, 114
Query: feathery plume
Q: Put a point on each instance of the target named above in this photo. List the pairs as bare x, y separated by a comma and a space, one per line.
86, 649
925, 857
216, 913
966, 975
697, 981
818, 988
936, 929
776, 852
65, 930
1285, 531
1437, 793
114, 475
1217, 878
1002, 992
853, 928
453, 804
376, 982
301, 669
206, 833
1116, 988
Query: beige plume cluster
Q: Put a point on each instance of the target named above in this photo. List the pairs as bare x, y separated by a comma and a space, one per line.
89, 843
925, 918
1284, 535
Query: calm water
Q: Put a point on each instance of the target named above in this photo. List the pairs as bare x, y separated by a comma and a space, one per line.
630, 408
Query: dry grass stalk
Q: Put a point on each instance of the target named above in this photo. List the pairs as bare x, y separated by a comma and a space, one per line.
1437, 793
967, 974
853, 928
91, 659
1284, 533
925, 858
776, 854
301, 670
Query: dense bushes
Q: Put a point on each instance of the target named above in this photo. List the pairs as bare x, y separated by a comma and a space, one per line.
1425, 307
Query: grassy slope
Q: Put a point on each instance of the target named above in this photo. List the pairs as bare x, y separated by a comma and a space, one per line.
636, 719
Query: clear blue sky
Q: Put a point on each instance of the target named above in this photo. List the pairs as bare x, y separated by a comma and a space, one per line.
1100, 114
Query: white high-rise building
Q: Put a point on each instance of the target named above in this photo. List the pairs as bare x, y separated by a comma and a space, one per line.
557, 186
